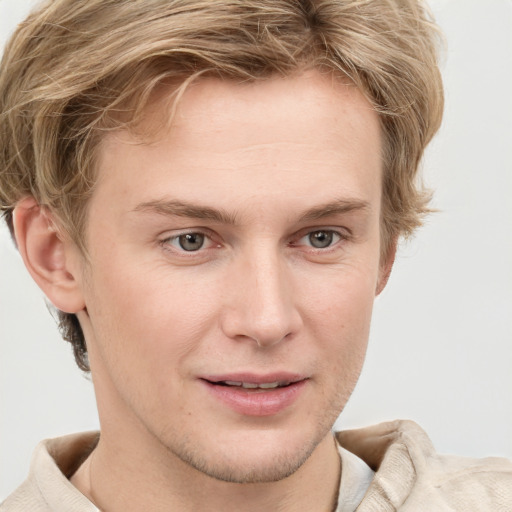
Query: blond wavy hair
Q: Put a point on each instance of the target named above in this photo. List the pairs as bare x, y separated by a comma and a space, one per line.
73, 70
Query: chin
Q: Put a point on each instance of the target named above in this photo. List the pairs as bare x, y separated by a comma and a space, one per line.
248, 470
257, 459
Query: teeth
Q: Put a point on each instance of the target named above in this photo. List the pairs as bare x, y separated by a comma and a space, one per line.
232, 383
252, 385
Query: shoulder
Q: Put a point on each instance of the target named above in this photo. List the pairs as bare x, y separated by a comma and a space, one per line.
47, 487
468, 484
412, 476
26, 497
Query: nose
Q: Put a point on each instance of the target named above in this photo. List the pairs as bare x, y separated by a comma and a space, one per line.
260, 304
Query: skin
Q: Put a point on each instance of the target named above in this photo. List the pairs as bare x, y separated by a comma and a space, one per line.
262, 171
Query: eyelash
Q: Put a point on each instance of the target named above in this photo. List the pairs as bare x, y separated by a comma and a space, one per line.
334, 237
167, 243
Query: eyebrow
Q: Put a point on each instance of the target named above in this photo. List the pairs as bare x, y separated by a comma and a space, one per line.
183, 209
337, 207
188, 210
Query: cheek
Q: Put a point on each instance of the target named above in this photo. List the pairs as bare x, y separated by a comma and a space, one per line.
154, 318
339, 316
341, 300
142, 333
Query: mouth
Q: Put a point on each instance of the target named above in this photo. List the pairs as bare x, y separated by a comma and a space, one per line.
252, 395
262, 386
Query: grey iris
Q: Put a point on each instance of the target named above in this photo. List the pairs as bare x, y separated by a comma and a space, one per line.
321, 239
191, 241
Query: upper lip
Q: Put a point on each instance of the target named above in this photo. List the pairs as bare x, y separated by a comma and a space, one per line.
255, 378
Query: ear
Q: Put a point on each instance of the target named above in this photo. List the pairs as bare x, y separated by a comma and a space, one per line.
386, 265
48, 255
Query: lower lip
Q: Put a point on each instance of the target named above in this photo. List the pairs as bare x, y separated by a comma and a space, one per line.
259, 402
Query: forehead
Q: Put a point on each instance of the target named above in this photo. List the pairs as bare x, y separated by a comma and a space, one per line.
320, 97
267, 135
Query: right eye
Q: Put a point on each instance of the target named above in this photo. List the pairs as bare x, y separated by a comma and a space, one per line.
192, 241
189, 242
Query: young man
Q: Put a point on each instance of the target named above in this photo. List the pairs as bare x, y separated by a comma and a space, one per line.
211, 193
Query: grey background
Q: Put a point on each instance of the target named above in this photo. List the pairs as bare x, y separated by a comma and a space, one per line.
441, 343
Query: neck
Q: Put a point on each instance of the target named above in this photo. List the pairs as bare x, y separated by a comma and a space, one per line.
116, 479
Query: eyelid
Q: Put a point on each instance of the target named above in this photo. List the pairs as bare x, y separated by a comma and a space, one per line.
209, 235
343, 234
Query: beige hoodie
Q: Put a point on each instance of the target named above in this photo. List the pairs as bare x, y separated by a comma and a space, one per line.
410, 476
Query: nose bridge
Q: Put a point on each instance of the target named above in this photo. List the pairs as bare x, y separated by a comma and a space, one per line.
263, 308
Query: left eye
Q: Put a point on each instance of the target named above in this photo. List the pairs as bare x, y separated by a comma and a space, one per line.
189, 242
321, 239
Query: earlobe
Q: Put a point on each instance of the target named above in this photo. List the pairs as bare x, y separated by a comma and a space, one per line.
47, 256
386, 266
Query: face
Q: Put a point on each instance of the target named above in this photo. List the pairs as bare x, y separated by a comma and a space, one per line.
234, 261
